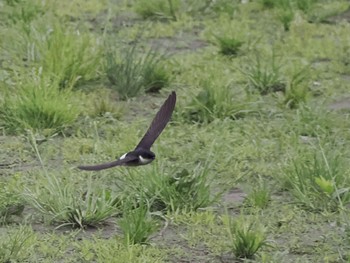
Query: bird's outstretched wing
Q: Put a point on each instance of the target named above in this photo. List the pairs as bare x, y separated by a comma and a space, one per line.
108, 165
159, 122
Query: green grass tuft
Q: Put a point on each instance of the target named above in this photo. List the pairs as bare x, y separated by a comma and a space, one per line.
57, 52
259, 196
229, 46
137, 223
65, 203
44, 108
131, 73
246, 236
297, 90
11, 202
157, 9
264, 74
17, 244
155, 78
285, 12
70, 57
318, 181
216, 101
183, 190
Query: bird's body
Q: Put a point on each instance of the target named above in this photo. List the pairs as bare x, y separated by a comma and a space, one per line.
142, 154
138, 157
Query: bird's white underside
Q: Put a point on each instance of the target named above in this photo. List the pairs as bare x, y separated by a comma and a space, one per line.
144, 160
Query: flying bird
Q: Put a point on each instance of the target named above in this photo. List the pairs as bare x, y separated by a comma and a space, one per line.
142, 154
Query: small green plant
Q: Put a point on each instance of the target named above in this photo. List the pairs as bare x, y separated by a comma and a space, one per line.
264, 75
312, 121
44, 108
183, 190
268, 3
305, 5
11, 202
155, 78
284, 10
106, 107
57, 52
318, 181
21, 12
215, 101
130, 73
69, 57
63, 202
229, 46
137, 223
260, 196
297, 91
17, 244
102, 103
13, 207
225, 6
285, 13
246, 237
157, 9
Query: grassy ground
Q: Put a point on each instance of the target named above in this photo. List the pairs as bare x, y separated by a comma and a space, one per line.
253, 167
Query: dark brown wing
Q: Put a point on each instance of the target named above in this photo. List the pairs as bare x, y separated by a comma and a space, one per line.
99, 167
159, 122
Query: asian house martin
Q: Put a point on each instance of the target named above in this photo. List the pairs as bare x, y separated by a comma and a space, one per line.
142, 154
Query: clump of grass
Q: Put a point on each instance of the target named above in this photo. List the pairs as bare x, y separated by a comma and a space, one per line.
268, 3
11, 203
312, 121
137, 223
71, 57
215, 101
318, 181
17, 244
187, 186
59, 53
43, 108
285, 9
102, 103
131, 73
285, 15
157, 9
297, 91
65, 203
184, 190
264, 74
155, 78
246, 237
229, 46
259, 196
21, 12
105, 107
306, 5
224, 6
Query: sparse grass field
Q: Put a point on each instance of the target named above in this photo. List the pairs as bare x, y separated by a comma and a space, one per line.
253, 167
